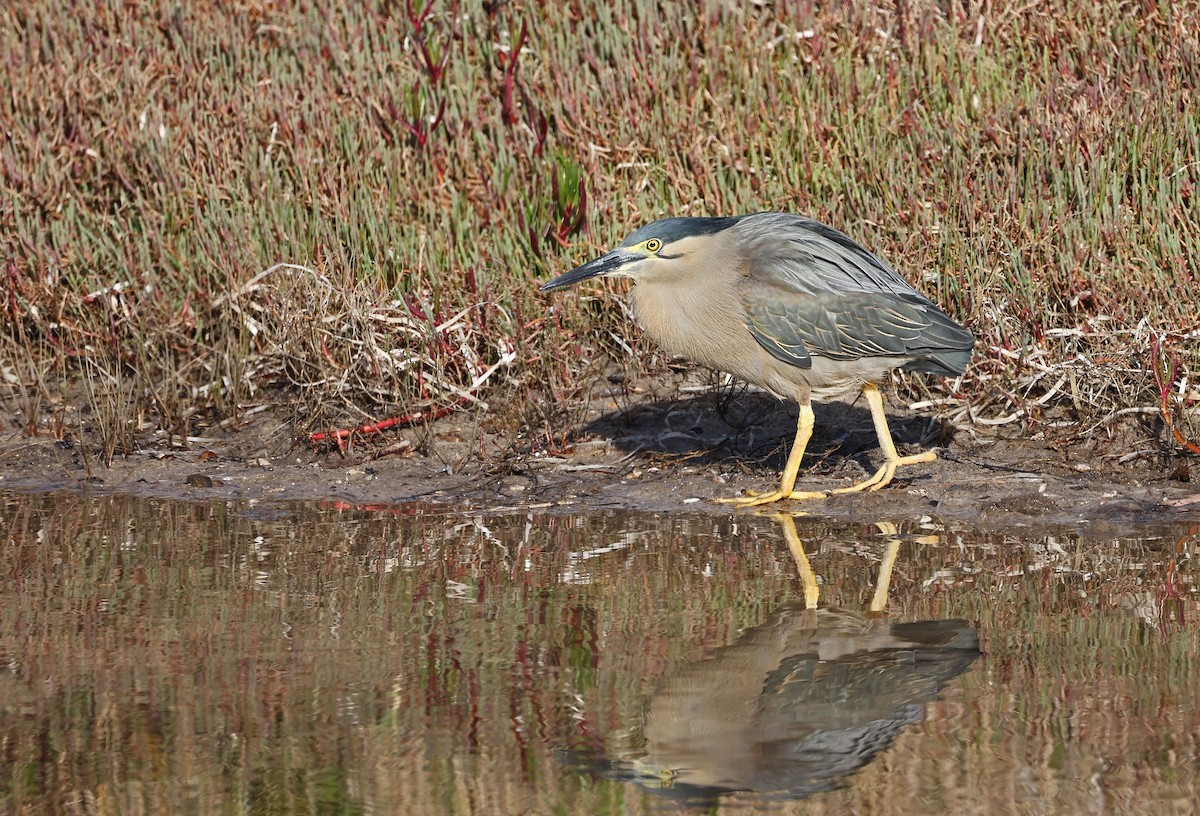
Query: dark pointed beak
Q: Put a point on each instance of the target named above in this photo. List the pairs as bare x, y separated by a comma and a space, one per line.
604, 265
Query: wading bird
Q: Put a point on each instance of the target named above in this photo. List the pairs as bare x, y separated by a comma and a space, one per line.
788, 304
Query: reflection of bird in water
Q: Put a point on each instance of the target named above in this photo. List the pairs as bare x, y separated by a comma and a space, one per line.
799, 702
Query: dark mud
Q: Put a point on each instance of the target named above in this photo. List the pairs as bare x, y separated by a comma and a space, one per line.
661, 453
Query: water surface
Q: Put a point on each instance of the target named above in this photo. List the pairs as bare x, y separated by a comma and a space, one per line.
259, 658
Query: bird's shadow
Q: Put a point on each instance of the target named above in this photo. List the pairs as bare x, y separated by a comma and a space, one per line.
755, 430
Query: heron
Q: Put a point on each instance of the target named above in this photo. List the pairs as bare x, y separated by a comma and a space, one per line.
791, 305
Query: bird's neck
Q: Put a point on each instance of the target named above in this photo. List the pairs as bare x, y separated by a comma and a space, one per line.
690, 319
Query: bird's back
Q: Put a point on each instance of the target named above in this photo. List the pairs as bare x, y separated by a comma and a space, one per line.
812, 291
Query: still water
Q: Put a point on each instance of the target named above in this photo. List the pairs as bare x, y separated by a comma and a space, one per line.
160, 657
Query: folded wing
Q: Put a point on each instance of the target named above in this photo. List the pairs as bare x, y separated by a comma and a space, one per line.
818, 293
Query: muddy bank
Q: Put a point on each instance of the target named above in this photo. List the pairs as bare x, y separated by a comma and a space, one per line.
663, 453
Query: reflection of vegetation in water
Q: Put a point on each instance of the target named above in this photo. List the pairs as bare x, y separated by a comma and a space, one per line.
190, 658
281, 790
580, 636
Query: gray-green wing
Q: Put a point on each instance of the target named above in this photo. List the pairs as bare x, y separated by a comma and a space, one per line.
812, 291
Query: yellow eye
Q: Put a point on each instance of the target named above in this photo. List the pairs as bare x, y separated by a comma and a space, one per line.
653, 245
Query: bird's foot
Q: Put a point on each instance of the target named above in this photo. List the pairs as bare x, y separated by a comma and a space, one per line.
882, 478
886, 472
753, 499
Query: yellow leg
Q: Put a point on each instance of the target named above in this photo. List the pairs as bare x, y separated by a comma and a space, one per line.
892, 459
804, 429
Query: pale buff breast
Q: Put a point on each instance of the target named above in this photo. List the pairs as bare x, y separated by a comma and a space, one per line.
706, 323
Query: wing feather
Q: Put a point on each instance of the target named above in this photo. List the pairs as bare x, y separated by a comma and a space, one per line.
812, 291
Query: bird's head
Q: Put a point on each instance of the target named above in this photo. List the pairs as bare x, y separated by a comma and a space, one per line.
660, 249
